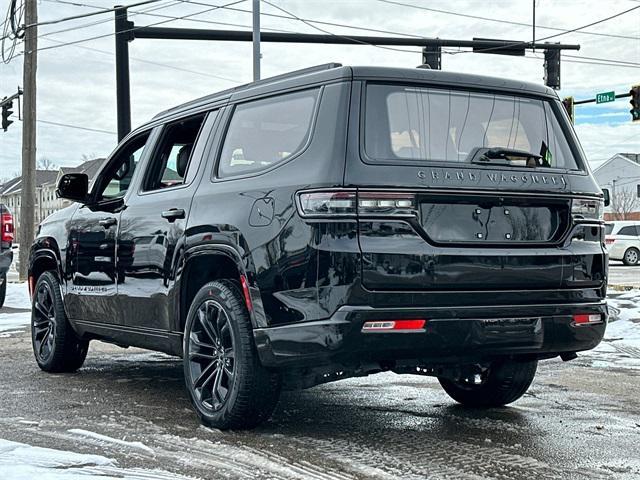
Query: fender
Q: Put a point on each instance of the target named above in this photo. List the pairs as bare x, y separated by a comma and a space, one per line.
244, 267
46, 248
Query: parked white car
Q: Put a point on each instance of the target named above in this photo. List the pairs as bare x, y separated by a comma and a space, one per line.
623, 241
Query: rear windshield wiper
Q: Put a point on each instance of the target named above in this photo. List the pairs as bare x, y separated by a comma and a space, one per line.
506, 156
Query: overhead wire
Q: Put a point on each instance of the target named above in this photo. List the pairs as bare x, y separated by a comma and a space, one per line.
502, 21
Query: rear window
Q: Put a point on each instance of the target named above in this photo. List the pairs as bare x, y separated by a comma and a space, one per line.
608, 228
410, 124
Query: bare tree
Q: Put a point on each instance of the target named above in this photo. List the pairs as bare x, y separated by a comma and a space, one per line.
623, 203
45, 163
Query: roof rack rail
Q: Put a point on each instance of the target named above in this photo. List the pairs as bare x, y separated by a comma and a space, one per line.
297, 73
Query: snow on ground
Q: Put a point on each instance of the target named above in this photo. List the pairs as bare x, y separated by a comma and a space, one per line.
19, 461
621, 344
106, 439
17, 298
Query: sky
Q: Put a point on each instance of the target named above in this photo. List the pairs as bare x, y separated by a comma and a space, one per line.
76, 83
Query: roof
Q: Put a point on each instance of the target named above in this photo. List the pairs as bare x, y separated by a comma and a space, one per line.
335, 71
15, 184
89, 167
632, 158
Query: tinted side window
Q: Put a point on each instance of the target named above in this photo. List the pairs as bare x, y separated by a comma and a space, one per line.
628, 230
115, 180
172, 159
265, 132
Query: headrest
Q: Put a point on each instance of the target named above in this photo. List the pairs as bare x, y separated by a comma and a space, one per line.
182, 161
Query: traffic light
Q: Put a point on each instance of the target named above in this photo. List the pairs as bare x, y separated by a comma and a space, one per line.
6, 113
552, 68
635, 103
569, 107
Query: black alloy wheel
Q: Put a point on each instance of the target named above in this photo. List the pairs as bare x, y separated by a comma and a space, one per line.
211, 355
56, 346
227, 384
44, 323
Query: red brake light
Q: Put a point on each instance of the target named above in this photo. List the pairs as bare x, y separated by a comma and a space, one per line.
391, 325
7, 227
587, 318
609, 241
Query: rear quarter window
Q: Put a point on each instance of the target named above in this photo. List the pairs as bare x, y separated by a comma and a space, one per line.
407, 124
628, 230
263, 133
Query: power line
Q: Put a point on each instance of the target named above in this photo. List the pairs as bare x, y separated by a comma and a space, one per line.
77, 127
75, 42
84, 15
516, 44
170, 3
159, 15
510, 22
295, 17
150, 62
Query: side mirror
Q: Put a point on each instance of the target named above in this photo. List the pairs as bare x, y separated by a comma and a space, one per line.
607, 197
73, 186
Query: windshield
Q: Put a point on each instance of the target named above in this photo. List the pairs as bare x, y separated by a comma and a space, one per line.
405, 123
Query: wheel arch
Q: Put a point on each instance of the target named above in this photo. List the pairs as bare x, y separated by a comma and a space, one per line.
44, 257
207, 263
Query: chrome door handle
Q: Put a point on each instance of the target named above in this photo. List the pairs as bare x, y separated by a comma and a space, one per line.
107, 222
173, 214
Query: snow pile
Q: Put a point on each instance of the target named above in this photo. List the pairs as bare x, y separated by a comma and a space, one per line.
17, 296
621, 344
19, 461
17, 299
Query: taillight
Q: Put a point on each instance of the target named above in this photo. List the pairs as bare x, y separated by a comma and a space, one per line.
7, 227
587, 209
386, 203
609, 241
587, 318
327, 204
348, 203
412, 325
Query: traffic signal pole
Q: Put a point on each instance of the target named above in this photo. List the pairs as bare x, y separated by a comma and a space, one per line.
126, 31
28, 190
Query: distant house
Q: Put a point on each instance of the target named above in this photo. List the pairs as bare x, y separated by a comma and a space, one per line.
621, 175
46, 201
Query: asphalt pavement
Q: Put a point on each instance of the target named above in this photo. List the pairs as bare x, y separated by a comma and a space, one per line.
622, 275
580, 420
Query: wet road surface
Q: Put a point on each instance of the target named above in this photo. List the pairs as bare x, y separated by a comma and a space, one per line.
580, 420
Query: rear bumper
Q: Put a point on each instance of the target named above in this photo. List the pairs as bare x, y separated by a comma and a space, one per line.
451, 335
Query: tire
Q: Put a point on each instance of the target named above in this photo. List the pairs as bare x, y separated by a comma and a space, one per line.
56, 346
631, 257
227, 385
3, 289
504, 383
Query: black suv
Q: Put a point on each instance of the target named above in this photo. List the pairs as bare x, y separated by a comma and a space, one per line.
329, 223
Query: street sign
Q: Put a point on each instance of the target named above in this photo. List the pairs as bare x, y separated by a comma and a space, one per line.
605, 97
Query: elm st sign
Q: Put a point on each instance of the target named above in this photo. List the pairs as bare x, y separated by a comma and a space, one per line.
605, 97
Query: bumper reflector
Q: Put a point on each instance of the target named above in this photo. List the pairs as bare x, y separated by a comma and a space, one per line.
587, 318
393, 325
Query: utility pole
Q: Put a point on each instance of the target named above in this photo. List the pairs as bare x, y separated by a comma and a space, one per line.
256, 40
28, 191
